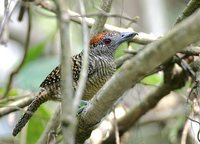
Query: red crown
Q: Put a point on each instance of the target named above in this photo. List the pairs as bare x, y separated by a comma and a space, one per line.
96, 39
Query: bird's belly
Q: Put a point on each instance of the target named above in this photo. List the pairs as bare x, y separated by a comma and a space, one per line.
98, 79
92, 87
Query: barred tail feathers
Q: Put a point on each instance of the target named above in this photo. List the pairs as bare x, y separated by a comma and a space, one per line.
41, 98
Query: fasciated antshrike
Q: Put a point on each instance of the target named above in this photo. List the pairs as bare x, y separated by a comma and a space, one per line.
101, 68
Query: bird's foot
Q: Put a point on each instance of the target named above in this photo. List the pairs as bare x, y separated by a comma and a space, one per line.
83, 104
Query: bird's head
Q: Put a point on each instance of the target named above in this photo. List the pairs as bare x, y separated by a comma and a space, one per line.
107, 42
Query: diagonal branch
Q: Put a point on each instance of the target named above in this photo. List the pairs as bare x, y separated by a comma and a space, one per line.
133, 70
126, 122
16, 105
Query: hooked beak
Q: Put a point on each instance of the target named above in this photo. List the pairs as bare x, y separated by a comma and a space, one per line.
124, 36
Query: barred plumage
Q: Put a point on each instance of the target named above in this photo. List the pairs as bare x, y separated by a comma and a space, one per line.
101, 67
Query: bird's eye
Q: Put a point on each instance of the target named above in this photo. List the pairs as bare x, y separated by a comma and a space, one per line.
107, 41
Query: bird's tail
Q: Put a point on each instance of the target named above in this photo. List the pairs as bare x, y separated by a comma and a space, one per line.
41, 98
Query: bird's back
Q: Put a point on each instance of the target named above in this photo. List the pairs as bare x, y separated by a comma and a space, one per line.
100, 69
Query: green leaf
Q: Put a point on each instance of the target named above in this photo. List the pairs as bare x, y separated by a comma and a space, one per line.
154, 79
37, 125
12, 91
35, 51
120, 50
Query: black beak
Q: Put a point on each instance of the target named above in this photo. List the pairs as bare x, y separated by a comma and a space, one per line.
124, 36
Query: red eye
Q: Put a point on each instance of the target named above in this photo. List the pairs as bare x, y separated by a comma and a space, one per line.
107, 41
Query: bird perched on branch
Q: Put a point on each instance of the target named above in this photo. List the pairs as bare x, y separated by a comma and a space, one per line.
101, 68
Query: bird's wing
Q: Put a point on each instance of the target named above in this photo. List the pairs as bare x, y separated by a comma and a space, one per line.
52, 78
55, 76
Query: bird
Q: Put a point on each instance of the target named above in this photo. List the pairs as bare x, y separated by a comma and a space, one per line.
100, 69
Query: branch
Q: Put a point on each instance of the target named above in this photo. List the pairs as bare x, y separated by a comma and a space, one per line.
15, 71
142, 38
24, 4
68, 117
134, 114
133, 70
84, 66
14, 98
16, 105
50, 7
151, 100
132, 20
191, 7
120, 61
101, 20
185, 132
4, 24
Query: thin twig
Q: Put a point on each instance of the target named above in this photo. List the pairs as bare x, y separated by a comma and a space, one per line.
16, 105
5, 18
7, 14
14, 98
198, 133
44, 4
185, 66
133, 20
84, 66
185, 132
15, 71
142, 38
24, 5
